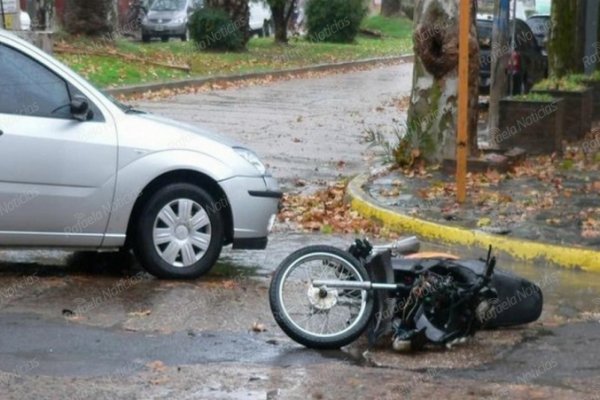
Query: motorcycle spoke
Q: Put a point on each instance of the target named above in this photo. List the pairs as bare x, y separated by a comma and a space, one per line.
328, 315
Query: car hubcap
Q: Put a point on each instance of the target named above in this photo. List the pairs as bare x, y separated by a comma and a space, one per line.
182, 232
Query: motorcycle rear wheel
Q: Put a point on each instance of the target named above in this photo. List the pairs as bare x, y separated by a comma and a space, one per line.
320, 318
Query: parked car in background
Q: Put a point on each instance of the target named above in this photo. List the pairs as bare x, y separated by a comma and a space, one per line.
79, 170
260, 18
527, 62
540, 26
25, 21
169, 18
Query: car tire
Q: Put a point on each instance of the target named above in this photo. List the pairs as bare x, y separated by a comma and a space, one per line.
145, 38
266, 29
180, 233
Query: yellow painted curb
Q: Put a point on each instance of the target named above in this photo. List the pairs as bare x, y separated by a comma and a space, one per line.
567, 257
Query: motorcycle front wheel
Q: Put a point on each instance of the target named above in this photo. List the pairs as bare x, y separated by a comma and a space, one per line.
320, 318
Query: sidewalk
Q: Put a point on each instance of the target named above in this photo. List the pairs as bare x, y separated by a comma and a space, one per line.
546, 209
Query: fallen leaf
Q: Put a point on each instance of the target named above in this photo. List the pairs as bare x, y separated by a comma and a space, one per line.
157, 366
258, 327
143, 313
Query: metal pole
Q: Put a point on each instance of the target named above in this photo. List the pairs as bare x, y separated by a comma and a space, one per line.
463, 100
513, 33
2, 12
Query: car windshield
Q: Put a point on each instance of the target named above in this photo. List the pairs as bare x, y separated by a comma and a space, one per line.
539, 25
484, 32
168, 5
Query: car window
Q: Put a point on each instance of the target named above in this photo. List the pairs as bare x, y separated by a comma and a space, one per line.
169, 5
525, 37
29, 88
539, 25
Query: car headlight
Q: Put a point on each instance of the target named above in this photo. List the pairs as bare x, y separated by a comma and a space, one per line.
178, 20
252, 158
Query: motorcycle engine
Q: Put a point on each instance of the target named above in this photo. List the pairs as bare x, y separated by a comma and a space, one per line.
443, 307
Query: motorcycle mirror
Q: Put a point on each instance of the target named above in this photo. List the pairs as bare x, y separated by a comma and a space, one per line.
490, 263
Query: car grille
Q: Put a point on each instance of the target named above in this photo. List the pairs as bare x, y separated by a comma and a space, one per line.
160, 21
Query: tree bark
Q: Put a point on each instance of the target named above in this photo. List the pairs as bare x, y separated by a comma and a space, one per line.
239, 12
432, 115
499, 57
566, 45
93, 18
390, 8
282, 11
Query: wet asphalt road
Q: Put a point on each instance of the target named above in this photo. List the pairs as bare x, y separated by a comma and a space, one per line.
96, 326
309, 129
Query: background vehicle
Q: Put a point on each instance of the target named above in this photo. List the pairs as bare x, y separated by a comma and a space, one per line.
169, 18
81, 171
260, 18
25, 21
527, 63
325, 298
540, 26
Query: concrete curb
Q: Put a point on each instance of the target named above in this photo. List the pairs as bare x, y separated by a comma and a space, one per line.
182, 83
526, 250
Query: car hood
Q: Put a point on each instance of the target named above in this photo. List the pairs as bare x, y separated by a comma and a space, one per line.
172, 127
165, 14
142, 135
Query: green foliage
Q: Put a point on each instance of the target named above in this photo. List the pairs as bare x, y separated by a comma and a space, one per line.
213, 29
586, 79
570, 83
534, 97
394, 27
336, 21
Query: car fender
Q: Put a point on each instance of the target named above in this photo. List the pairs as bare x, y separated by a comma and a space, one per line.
138, 174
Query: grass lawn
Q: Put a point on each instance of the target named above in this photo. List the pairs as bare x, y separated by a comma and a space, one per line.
110, 70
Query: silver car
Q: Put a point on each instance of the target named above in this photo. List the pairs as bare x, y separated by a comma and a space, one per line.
169, 18
81, 171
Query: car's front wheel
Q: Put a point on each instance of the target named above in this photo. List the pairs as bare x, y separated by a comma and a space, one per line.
179, 233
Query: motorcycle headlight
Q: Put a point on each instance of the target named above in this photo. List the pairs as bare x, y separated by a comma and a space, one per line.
252, 158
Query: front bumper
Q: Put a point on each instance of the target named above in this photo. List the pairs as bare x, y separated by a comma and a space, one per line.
155, 29
254, 203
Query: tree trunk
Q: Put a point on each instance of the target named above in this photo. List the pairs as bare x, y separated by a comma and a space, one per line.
93, 18
280, 22
282, 11
390, 8
239, 12
432, 115
565, 54
499, 57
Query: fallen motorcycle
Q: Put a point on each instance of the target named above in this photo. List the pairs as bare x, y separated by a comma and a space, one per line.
325, 298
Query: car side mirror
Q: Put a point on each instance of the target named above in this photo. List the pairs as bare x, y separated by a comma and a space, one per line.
80, 109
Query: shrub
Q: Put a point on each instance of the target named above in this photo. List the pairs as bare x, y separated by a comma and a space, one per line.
568, 84
334, 20
212, 29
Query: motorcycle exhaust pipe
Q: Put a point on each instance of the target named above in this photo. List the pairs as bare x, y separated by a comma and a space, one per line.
366, 285
409, 245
